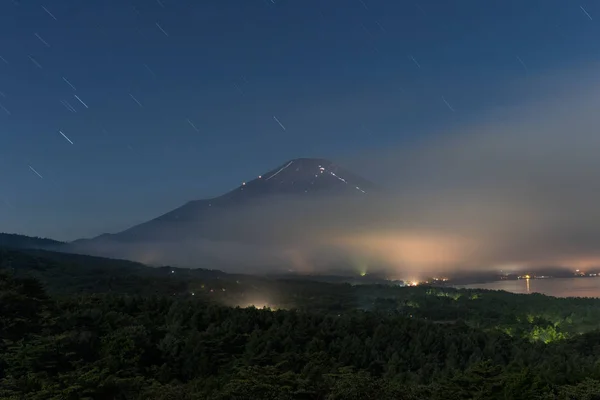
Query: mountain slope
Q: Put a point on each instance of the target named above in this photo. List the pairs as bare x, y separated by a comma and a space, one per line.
303, 178
260, 225
15, 241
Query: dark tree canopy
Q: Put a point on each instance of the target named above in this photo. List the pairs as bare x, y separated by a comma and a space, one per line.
117, 330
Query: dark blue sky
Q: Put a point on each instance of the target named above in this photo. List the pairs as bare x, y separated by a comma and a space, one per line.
342, 76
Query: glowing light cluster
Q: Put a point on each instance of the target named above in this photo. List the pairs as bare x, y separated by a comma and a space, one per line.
322, 169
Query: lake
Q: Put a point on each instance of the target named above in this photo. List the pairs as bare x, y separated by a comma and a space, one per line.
559, 287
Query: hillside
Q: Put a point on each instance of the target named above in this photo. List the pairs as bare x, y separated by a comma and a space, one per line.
236, 216
526, 316
11, 240
135, 340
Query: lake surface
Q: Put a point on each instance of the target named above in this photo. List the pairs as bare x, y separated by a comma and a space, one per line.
559, 287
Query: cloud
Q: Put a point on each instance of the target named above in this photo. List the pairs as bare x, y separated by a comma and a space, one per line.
517, 186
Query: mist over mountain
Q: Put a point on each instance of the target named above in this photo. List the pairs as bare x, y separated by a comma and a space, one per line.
262, 224
508, 191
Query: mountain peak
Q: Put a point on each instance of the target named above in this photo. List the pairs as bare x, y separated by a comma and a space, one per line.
306, 175
310, 160
298, 178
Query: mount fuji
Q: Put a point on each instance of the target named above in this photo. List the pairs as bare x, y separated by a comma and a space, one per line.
240, 215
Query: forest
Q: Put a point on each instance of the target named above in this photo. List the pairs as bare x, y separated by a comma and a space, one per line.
78, 327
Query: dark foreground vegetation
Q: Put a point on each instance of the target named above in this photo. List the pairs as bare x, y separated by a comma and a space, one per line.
75, 327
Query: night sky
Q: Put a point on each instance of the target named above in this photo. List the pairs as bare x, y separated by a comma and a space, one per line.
115, 111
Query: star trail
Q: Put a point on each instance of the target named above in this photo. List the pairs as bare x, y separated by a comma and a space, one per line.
199, 93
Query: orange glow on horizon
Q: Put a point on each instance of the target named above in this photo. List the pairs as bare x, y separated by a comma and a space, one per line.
420, 251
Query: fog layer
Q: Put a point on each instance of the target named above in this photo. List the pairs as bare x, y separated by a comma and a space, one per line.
518, 186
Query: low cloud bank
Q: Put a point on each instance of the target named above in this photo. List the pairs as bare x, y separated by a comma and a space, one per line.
516, 187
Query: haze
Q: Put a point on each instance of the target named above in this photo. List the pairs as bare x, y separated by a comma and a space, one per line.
518, 187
